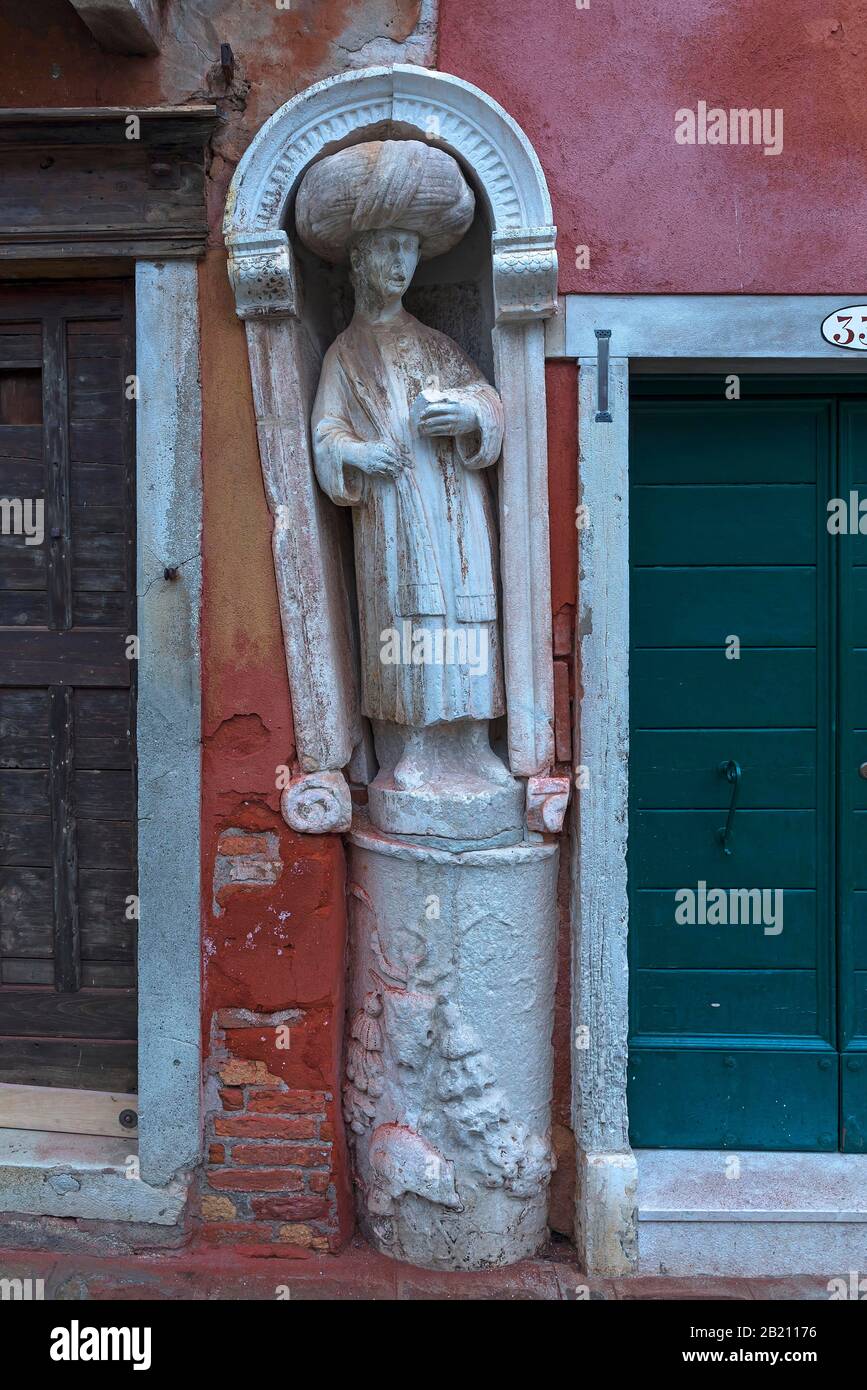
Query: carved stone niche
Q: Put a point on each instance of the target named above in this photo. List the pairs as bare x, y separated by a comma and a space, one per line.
452, 895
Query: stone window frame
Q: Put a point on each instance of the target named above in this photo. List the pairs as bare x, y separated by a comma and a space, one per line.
101, 1178
729, 334
400, 101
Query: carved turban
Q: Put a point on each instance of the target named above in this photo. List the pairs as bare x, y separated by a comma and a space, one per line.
383, 183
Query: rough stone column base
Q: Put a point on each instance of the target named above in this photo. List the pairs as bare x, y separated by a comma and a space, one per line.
449, 1064
606, 1212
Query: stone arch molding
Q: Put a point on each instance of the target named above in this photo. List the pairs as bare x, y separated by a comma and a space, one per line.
393, 102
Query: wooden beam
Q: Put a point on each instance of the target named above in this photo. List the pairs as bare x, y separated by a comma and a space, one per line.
123, 26
116, 182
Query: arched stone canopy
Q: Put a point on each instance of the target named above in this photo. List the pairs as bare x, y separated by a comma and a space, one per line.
396, 102
390, 102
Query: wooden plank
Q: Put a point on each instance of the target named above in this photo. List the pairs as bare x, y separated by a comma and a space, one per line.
26, 922
107, 933
67, 944
20, 396
96, 485
58, 519
23, 792
24, 732
103, 794
95, 386
99, 537
106, 844
22, 477
84, 657
23, 608
63, 1111
91, 609
42, 1012
25, 842
94, 1064
23, 567
96, 441
97, 974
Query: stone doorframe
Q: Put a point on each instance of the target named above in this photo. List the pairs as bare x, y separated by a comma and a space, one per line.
726, 333
402, 101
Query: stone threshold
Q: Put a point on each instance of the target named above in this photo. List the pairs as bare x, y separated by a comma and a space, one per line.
745, 1214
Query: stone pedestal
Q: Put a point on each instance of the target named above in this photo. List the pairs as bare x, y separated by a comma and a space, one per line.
449, 1067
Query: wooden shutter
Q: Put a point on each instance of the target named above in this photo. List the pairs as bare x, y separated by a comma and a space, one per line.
67, 690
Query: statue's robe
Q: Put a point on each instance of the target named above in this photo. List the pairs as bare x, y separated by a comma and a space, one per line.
425, 544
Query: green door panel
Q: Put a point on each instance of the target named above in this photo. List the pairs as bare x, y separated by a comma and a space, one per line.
853, 1102
760, 525
724, 1098
750, 1003
693, 607
697, 689
673, 768
733, 1025
676, 849
746, 944
709, 442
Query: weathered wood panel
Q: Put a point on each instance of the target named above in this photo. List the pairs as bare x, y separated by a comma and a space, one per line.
67, 745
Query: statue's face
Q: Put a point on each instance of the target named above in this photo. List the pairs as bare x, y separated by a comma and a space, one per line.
384, 262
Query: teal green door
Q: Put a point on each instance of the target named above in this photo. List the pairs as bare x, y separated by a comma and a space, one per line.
748, 816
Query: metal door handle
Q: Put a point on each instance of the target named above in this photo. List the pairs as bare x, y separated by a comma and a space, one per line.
732, 772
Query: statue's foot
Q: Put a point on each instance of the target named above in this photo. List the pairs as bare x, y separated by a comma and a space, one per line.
409, 775
492, 767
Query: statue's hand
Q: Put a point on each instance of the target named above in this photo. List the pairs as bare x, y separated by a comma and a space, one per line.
376, 459
448, 417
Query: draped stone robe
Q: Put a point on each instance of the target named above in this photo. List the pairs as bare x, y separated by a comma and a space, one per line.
425, 543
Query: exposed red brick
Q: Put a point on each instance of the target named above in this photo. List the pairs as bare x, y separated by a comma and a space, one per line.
290, 1208
256, 1180
326, 1130
562, 713
563, 631
232, 1098
244, 844
318, 1182
268, 1127
216, 1153
244, 1072
299, 1155
234, 1232
296, 1102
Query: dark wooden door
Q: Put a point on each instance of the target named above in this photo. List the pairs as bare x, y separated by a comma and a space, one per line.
67, 686
746, 1033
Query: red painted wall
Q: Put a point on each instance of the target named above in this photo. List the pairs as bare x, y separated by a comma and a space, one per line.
596, 90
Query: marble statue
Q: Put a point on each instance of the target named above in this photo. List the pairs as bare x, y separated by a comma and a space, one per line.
404, 426
453, 912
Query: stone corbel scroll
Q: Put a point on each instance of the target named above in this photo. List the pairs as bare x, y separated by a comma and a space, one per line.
395, 102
